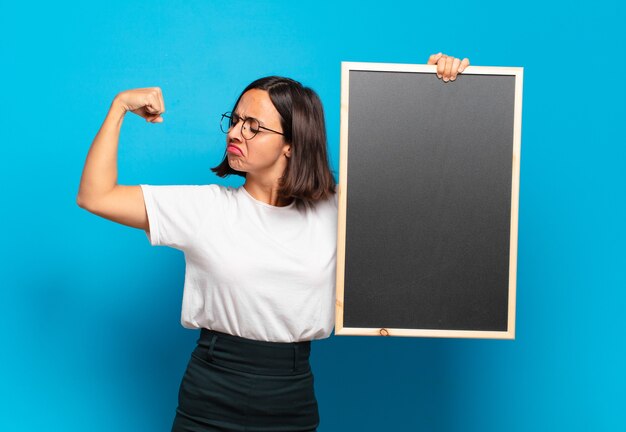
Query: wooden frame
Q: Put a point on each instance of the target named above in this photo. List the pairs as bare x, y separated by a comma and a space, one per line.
347, 67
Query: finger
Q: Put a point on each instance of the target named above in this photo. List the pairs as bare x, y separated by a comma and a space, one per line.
465, 63
151, 108
447, 68
441, 64
154, 103
160, 95
156, 99
455, 69
154, 118
433, 59
142, 112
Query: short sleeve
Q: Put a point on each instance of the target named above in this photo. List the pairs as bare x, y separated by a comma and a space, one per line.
177, 213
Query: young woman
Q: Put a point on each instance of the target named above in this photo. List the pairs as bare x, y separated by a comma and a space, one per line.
260, 259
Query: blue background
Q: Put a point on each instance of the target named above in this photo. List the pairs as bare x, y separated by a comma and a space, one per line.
90, 312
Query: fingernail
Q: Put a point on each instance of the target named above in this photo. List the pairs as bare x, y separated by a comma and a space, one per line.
438, 75
445, 80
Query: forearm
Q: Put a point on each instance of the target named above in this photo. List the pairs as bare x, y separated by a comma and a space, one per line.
100, 170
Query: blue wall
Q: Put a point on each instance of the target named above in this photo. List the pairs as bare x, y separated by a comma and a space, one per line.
90, 312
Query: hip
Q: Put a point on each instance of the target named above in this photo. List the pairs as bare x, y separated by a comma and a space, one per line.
236, 384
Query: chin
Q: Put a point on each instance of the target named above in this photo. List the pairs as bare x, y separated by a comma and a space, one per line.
235, 164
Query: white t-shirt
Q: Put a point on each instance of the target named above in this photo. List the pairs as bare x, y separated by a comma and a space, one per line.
252, 270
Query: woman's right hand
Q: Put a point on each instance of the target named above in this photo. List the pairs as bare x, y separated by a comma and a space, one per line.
145, 102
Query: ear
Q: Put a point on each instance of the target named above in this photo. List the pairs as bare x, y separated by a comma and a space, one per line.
287, 151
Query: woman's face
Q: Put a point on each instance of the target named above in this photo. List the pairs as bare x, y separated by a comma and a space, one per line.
266, 154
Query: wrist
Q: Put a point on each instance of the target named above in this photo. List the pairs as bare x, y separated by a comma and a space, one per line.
118, 106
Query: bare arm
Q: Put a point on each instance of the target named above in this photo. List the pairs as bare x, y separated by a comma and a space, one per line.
99, 192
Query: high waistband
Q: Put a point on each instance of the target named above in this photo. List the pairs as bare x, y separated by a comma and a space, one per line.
252, 356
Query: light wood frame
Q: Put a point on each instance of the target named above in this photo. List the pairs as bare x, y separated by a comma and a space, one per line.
346, 67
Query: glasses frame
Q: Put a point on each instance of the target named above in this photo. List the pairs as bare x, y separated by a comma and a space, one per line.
229, 115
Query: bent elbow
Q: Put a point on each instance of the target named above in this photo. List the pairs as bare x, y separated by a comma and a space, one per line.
84, 203
80, 201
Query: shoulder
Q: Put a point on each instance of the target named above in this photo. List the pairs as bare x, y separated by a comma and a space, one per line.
211, 189
186, 194
331, 201
326, 206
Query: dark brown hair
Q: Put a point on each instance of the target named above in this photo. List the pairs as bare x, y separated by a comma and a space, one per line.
308, 177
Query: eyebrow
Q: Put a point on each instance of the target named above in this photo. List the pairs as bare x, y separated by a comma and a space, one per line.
253, 118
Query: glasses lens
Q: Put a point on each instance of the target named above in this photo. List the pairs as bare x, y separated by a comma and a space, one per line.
226, 122
250, 128
234, 119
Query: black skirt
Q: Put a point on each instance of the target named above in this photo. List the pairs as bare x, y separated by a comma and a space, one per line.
237, 384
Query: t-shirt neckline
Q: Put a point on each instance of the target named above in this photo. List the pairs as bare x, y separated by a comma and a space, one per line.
264, 204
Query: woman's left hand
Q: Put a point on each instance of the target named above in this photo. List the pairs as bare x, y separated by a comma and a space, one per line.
448, 67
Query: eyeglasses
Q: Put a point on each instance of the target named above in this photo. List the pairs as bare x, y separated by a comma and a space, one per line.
249, 127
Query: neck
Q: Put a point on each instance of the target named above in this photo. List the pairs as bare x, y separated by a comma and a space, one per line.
266, 192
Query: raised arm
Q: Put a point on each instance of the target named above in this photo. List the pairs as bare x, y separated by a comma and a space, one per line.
99, 192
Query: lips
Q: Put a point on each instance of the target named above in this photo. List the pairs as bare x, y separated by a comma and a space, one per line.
234, 150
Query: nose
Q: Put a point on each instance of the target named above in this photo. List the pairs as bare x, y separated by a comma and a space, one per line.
235, 132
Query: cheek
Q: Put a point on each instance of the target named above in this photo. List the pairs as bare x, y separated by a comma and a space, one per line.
264, 153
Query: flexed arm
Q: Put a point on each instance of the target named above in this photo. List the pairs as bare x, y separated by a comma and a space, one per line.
99, 192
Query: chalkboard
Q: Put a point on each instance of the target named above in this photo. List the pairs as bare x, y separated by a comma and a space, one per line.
428, 201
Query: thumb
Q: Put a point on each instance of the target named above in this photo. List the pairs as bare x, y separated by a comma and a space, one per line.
151, 109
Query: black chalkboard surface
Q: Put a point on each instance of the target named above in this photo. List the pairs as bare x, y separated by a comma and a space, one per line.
428, 199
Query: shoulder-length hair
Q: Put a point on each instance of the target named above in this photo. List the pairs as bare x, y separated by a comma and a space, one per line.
308, 177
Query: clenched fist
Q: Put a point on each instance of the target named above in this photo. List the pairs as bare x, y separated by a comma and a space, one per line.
145, 102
